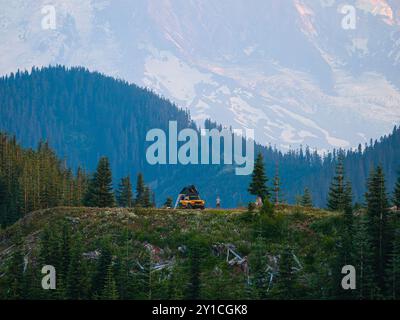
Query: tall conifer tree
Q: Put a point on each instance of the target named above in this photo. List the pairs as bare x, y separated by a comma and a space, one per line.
337, 191
377, 214
258, 184
306, 200
140, 189
396, 194
124, 193
393, 269
110, 291
100, 191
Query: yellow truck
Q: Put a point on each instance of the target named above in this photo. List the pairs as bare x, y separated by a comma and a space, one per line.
189, 198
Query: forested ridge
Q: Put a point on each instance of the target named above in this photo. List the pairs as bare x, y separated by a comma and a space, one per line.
107, 240
85, 115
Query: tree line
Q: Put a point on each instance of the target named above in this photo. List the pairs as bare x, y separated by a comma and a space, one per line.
366, 237
36, 179
368, 234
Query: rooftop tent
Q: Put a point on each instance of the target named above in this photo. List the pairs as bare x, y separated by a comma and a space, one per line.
190, 190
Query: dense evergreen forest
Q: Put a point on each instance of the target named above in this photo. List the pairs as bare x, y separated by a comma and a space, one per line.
147, 253
36, 179
85, 115
287, 252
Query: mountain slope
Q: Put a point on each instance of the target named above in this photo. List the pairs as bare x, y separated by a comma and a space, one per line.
288, 69
85, 115
127, 238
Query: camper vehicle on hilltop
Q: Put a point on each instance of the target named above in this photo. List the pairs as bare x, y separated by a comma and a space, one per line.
189, 198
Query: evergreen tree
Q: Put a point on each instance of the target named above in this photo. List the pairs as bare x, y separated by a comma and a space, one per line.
15, 272
277, 188
286, 286
100, 191
76, 278
345, 254
65, 254
193, 289
110, 288
340, 199
258, 184
3, 203
260, 277
80, 187
347, 234
90, 197
146, 202
49, 253
31, 283
3, 192
177, 282
396, 194
124, 193
336, 197
363, 256
140, 190
377, 214
393, 269
306, 199
99, 277
126, 282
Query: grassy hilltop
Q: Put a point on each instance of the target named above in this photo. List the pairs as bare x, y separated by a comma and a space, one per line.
114, 253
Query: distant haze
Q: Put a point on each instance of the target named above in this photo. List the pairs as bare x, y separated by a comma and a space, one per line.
288, 69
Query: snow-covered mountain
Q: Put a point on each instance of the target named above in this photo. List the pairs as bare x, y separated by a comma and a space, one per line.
297, 71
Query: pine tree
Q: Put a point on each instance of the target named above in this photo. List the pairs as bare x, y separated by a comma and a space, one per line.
105, 194
3, 202
306, 199
286, 286
99, 277
177, 281
15, 271
377, 214
336, 197
347, 234
393, 269
193, 289
147, 198
259, 274
125, 281
363, 256
277, 188
76, 277
90, 197
65, 251
100, 191
110, 288
258, 184
50, 247
80, 187
124, 193
345, 246
396, 194
140, 189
